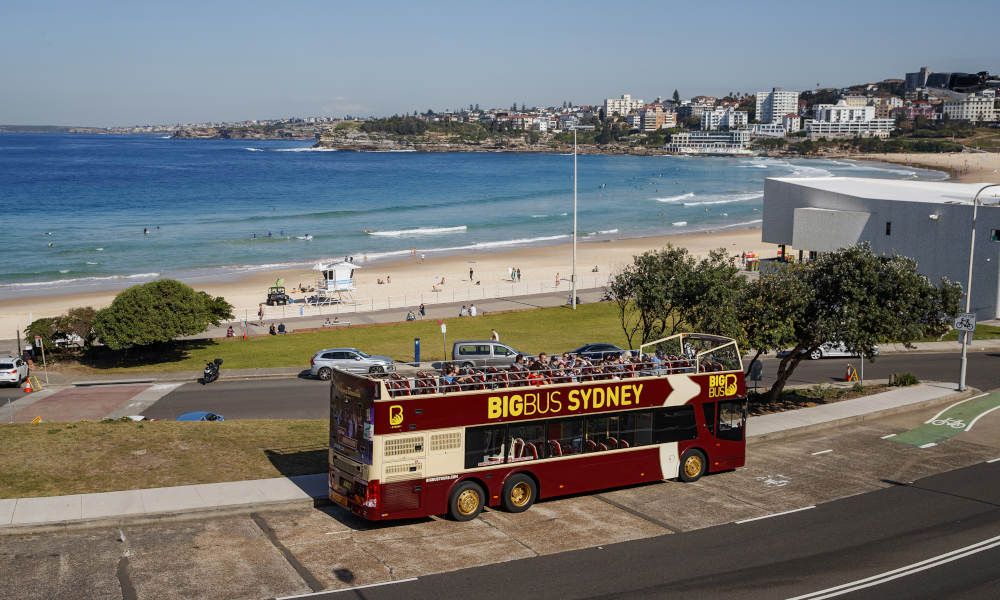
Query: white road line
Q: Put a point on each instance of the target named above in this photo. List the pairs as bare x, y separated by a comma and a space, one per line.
821, 452
358, 587
787, 512
885, 437
953, 406
910, 569
981, 415
928, 445
993, 460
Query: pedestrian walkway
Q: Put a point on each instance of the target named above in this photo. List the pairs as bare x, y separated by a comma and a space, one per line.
951, 421
305, 490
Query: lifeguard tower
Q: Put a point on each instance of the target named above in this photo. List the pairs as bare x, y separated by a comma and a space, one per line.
334, 282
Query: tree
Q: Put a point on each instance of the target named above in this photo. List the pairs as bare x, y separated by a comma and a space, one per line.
677, 97
157, 312
769, 309
851, 296
76, 323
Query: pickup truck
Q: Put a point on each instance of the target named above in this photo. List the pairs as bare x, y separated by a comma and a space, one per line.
483, 353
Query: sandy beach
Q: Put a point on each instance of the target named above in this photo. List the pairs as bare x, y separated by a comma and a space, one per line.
411, 281
964, 167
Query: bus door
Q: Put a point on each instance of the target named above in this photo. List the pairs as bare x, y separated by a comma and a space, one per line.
729, 425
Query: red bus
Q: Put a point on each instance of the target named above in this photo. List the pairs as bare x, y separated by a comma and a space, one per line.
406, 447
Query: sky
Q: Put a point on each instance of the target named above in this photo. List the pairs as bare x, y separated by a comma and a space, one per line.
105, 63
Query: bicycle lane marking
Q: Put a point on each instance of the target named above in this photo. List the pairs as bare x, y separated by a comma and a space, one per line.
950, 422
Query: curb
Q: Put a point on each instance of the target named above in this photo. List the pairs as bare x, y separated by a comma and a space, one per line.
786, 433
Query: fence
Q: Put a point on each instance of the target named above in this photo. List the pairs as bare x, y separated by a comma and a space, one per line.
412, 301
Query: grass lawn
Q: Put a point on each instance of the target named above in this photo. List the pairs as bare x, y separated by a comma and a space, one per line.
530, 331
51, 459
983, 332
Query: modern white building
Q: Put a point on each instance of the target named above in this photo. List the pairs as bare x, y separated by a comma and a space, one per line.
710, 142
974, 108
881, 128
623, 106
768, 130
727, 117
791, 122
842, 112
930, 222
773, 105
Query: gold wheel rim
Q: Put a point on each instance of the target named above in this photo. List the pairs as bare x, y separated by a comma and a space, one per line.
520, 494
692, 465
468, 502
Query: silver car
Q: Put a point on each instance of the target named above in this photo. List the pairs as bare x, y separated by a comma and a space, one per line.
13, 370
348, 359
828, 350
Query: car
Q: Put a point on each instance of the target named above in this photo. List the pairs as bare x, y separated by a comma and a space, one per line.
348, 359
828, 350
483, 353
13, 370
201, 415
598, 351
276, 296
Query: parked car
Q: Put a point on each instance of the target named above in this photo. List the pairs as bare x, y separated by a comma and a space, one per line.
276, 296
201, 415
13, 370
348, 359
483, 353
598, 351
828, 350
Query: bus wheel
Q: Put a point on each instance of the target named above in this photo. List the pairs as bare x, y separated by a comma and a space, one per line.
519, 493
466, 501
693, 465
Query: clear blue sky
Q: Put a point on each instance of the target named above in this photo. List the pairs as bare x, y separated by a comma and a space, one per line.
132, 62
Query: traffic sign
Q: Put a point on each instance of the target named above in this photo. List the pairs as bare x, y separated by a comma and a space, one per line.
965, 322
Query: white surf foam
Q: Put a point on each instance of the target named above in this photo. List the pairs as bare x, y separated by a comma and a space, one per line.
79, 280
307, 149
420, 231
676, 198
679, 223
254, 149
728, 200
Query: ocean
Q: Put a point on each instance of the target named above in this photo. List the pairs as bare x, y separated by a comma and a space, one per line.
90, 212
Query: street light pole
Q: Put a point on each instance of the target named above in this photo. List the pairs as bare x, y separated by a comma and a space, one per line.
968, 287
573, 274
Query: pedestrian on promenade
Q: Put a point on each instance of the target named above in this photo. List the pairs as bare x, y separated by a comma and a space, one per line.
557, 279
519, 274
494, 335
472, 310
260, 314
470, 274
464, 312
422, 311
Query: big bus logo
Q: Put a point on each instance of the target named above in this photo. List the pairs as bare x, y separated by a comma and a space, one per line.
722, 386
395, 415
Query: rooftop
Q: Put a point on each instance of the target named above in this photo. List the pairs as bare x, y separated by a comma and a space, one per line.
933, 192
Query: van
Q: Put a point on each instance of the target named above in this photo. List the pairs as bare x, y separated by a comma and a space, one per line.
483, 353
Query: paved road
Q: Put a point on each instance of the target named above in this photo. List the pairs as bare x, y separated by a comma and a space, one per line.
862, 539
304, 398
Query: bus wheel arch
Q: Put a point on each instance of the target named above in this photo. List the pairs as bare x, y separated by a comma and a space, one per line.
520, 491
694, 464
462, 503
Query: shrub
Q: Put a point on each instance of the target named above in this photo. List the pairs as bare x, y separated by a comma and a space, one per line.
903, 379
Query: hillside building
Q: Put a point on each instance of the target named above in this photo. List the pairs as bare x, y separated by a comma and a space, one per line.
773, 105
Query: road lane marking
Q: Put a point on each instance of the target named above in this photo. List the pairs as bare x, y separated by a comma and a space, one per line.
357, 587
821, 452
934, 418
927, 445
910, 569
993, 460
787, 512
950, 422
981, 415
885, 437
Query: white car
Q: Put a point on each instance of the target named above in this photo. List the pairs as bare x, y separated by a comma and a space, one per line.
13, 370
828, 350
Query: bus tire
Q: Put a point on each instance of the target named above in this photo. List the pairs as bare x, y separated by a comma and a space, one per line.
466, 502
519, 493
693, 466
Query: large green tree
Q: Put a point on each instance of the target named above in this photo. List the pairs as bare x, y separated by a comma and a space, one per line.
156, 312
852, 296
76, 325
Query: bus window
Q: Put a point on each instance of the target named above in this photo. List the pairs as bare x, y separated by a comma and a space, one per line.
709, 409
565, 437
635, 429
731, 418
674, 424
525, 442
602, 434
484, 446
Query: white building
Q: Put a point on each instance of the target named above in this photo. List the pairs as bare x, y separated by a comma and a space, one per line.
710, 142
842, 112
768, 130
634, 121
717, 119
654, 119
929, 222
791, 122
974, 108
771, 106
623, 106
849, 129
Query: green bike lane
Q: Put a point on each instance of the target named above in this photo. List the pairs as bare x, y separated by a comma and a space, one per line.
957, 418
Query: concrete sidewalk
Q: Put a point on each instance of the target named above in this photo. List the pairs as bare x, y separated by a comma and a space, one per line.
32, 513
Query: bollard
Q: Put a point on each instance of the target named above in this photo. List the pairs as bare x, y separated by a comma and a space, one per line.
416, 350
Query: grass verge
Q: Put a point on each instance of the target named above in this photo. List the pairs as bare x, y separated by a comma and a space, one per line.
805, 397
54, 459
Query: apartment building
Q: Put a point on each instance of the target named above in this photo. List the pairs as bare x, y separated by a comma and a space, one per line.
976, 109
771, 106
842, 112
623, 106
710, 142
849, 129
718, 119
653, 119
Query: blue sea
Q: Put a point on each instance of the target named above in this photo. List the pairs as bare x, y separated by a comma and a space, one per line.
76, 206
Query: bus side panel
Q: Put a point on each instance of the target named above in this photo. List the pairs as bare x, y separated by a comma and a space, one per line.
595, 471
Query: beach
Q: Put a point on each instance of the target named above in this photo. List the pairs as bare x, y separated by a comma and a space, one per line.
964, 167
411, 280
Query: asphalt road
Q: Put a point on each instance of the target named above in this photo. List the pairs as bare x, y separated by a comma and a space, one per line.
864, 540
304, 398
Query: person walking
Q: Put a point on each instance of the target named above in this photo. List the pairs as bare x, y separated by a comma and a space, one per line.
260, 314
557, 279
470, 274
494, 335
519, 274
422, 311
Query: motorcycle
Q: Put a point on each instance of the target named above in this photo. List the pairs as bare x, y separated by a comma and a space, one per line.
211, 372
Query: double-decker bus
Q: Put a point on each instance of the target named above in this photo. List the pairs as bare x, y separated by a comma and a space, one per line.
436, 443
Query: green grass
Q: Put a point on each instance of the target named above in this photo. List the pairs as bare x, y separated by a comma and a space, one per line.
530, 331
51, 459
983, 332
